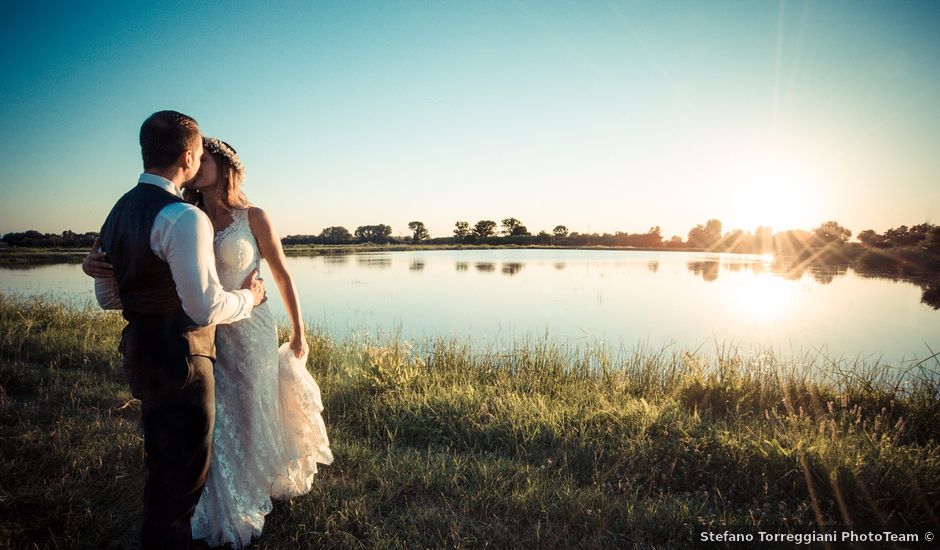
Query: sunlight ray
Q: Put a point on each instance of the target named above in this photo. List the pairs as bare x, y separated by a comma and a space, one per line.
781, 15
838, 150
797, 56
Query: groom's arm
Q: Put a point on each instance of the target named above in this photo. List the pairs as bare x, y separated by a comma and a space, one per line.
182, 236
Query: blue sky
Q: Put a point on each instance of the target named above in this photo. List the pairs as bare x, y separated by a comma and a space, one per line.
601, 116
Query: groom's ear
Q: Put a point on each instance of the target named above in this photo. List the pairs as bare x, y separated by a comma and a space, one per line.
186, 159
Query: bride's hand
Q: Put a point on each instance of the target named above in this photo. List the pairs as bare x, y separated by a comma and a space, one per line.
96, 263
298, 344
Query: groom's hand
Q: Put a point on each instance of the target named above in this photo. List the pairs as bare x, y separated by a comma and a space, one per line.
256, 285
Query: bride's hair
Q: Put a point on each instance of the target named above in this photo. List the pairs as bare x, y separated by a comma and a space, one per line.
231, 174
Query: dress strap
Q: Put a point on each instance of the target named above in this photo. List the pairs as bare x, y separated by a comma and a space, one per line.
239, 221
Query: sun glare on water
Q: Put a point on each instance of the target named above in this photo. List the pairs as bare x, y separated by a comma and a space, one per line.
762, 297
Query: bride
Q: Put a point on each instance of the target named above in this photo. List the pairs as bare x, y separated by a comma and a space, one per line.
269, 435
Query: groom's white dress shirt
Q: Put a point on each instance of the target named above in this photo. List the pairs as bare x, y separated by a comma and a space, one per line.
182, 236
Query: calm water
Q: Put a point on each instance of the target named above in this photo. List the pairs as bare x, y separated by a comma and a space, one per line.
621, 298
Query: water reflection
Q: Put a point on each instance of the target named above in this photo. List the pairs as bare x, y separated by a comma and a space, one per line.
336, 259
374, 262
760, 299
929, 285
795, 269
613, 296
825, 274
931, 295
757, 265
708, 269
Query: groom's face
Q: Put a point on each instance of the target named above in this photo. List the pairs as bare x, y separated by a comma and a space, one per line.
208, 172
195, 163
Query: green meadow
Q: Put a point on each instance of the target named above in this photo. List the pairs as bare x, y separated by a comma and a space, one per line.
439, 444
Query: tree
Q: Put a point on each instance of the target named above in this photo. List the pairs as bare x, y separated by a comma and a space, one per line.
509, 225
791, 242
706, 236
763, 239
736, 241
335, 235
654, 237
872, 239
931, 242
560, 231
713, 229
832, 233
513, 227
920, 231
904, 236
33, 238
898, 236
462, 230
697, 237
420, 232
373, 233
484, 228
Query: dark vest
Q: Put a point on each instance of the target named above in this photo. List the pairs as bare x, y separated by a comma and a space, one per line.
145, 282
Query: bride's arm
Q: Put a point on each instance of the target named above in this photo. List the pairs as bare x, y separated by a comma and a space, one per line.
269, 244
96, 265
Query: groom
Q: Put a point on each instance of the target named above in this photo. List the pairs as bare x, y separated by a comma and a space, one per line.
165, 280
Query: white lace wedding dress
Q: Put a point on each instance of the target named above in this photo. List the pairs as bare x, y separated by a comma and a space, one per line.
269, 435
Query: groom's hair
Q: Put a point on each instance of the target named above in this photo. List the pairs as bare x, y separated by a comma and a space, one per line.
164, 136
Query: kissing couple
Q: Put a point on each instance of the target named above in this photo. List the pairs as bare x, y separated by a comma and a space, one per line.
230, 420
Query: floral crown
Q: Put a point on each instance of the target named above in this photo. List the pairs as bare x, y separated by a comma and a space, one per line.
219, 147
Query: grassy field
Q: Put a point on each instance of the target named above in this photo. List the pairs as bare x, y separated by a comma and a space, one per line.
438, 445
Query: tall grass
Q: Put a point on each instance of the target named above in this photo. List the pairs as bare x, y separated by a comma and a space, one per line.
440, 444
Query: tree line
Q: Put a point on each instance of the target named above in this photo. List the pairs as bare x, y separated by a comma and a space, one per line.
512, 231
897, 242
35, 239
707, 236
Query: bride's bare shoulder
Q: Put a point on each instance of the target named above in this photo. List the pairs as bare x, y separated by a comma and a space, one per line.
258, 216
259, 220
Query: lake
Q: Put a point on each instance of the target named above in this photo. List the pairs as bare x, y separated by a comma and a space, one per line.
618, 298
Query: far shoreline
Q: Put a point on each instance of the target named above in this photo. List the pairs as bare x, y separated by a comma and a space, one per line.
35, 256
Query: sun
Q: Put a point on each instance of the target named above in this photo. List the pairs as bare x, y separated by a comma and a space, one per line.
777, 195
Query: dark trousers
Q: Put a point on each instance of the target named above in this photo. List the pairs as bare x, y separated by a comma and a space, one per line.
177, 394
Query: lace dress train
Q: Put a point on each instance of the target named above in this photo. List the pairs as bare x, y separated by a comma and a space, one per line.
269, 433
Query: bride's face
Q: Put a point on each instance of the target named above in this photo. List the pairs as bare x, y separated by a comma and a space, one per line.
208, 172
